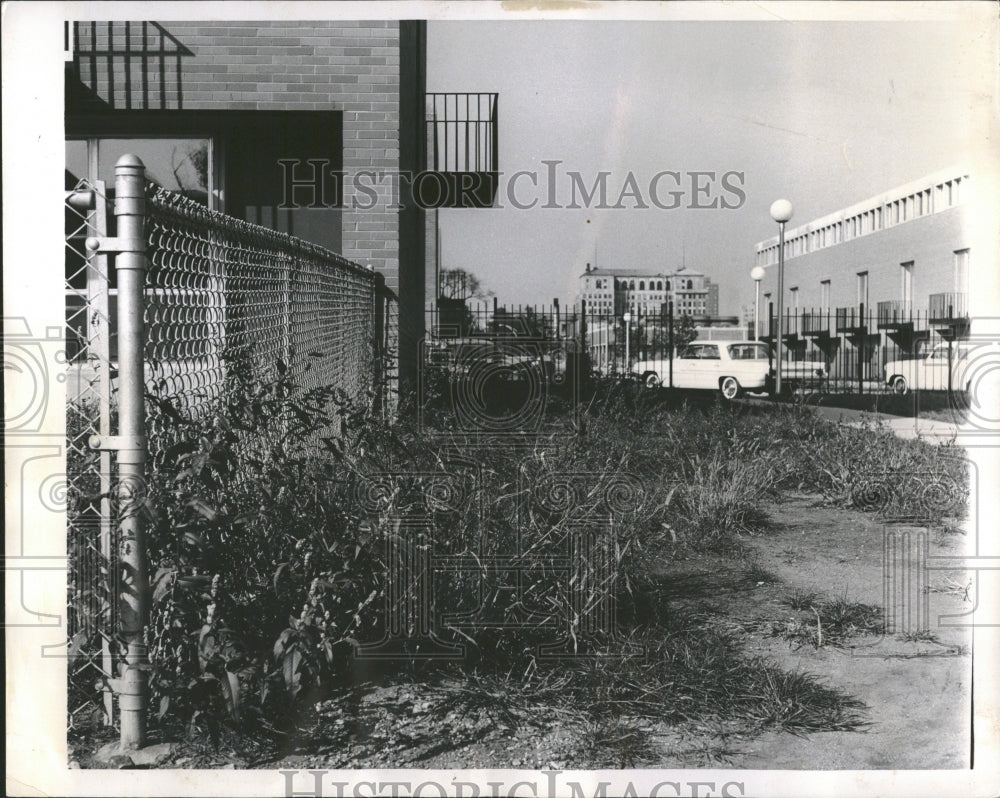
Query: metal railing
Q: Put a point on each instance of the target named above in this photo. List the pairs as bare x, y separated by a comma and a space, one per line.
814, 322
948, 306
192, 295
462, 131
894, 312
848, 319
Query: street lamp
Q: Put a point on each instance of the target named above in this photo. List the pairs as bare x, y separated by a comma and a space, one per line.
781, 212
757, 274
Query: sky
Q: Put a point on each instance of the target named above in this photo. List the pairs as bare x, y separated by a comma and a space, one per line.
824, 114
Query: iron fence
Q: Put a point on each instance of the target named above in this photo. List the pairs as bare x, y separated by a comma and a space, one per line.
859, 349
190, 296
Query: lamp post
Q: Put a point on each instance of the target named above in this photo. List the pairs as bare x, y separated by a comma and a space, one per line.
781, 212
757, 274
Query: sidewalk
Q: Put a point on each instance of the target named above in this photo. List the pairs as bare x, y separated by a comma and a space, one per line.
931, 430
907, 428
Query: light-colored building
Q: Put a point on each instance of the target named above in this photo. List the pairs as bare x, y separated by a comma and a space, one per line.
882, 279
905, 252
643, 291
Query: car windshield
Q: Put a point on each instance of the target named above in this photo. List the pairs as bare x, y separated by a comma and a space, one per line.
748, 352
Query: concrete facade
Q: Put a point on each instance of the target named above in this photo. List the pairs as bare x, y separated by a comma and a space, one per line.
899, 247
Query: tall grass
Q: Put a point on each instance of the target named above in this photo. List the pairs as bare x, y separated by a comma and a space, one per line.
272, 542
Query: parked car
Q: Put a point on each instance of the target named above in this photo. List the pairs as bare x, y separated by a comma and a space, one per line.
731, 367
930, 372
797, 374
728, 367
507, 357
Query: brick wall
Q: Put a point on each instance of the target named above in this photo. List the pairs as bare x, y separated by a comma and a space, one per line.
346, 66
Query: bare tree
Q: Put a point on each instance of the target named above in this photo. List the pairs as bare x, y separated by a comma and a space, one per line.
462, 285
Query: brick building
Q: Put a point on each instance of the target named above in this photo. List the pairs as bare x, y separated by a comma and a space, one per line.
644, 291
319, 129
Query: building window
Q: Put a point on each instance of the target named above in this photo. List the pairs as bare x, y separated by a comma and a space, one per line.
863, 288
794, 295
183, 165
962, 271
642, 285
906, 281
824, 294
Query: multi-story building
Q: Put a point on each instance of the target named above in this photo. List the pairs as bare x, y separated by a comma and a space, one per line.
644, 291
882, 278
313, 128
905, 251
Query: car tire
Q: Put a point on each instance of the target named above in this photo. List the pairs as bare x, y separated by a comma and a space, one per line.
652, 380
729, 387
899, 385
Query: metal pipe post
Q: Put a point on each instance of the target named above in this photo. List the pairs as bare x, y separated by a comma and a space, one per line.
756, 313
628, 324
781, 318
130, 263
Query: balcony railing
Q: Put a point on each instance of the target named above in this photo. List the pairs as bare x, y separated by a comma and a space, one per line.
815, 322
947, 307
463, 149
895, 312
462, 130
849, 319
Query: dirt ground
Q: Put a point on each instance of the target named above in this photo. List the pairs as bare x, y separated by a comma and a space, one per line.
916, 685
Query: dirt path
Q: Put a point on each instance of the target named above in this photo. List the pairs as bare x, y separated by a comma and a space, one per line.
916, 681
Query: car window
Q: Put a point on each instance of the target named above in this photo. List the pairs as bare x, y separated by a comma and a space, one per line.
689, 352
747, 352
710, 352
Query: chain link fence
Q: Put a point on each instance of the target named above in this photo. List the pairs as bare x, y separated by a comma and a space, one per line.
91, 615
221, 291
220, 295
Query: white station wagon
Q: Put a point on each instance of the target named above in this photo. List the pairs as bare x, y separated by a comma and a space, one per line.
729, 367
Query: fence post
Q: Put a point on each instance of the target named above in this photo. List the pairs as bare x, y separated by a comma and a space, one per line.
379, 344
951, 363
130, 263
670, 343
862, 347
